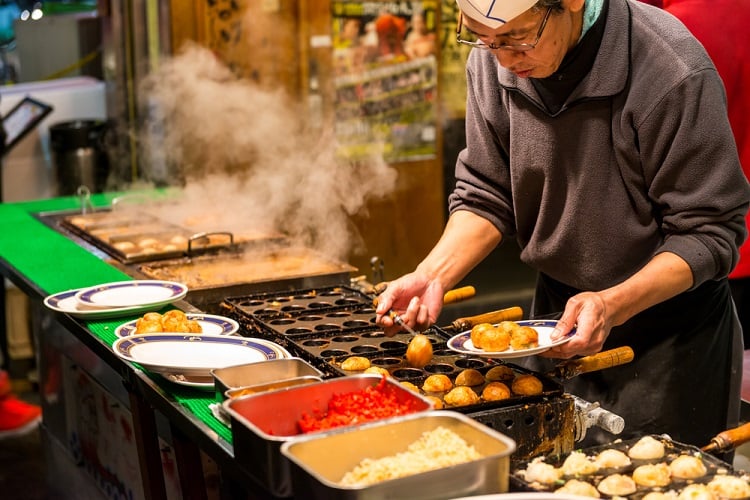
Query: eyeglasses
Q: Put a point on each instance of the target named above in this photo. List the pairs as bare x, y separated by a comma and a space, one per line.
516, 47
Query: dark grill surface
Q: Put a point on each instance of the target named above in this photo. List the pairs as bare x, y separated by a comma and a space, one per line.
325, 326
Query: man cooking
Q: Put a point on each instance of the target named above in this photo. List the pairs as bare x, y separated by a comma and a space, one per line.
597, 136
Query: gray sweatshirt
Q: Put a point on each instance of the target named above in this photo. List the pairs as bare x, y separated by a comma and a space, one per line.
639, 160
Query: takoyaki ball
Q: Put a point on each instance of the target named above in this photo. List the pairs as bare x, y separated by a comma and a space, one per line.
617, 485
527, 385
508, 326
661, 495
437, 403
696, 491
410, 386
470, 377
148, 326
524, 337
378, 370
495, 340
652, 475
477, 332
148, 242
501, 373
495, 391
124, 246
178, 240
578, 488
174, 321
539, 471
687, 467
193, 326
461, 395
647, 448
151, 316
578, 464
729, 487
437, 382
612, 459
419, 351
355, 364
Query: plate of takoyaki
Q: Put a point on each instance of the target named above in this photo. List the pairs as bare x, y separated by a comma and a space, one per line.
508, 339
176, 321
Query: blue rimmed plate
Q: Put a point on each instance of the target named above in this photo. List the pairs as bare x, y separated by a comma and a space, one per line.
66, 302
210, 324
134, 293
194, 355
462, 342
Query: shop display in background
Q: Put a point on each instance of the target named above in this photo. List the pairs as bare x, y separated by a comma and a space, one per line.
452, 65
386, 79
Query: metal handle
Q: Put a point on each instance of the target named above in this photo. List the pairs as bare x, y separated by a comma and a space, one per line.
84, 197
200, 236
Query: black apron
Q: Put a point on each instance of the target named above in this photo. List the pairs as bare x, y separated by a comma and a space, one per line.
686, 375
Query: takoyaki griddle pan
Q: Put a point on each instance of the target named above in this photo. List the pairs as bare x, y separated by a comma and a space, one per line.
715, 468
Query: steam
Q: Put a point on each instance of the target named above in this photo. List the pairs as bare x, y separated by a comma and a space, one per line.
246, 160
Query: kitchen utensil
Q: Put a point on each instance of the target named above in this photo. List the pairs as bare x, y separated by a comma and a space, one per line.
599, 361
450, 297
728, 440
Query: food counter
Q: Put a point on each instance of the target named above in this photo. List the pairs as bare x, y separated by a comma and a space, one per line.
134, 434
107, 417
84, 385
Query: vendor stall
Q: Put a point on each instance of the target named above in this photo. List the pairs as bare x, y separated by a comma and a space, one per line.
136, 431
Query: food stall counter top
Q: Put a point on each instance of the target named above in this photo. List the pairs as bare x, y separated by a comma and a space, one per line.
46, 262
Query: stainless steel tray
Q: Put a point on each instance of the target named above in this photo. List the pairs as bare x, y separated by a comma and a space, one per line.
319, 462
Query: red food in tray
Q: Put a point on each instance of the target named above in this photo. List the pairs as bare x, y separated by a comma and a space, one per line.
351, 408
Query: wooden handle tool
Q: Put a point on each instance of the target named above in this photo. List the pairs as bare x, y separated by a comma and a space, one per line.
459, 294
595, 362
514, 313
450, 297
728, 440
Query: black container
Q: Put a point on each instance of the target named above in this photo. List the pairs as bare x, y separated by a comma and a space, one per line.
80, 156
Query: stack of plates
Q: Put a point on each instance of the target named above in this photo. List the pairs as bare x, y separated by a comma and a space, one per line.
120, 298
183, 358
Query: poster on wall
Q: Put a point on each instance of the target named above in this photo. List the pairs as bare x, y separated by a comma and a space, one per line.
385, 79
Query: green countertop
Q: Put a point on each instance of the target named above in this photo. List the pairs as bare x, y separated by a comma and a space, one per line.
54, 263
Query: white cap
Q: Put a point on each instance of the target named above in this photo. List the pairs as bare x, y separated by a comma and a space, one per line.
494, 13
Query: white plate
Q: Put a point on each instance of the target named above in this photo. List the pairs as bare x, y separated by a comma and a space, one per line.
462, 342
152, 293
194, 355
210, 324
195, 382
66, 302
